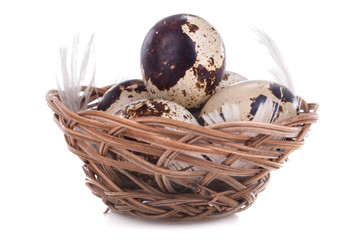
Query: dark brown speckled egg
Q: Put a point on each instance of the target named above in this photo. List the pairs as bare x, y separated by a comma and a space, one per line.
121, 94
156, 108
183, 60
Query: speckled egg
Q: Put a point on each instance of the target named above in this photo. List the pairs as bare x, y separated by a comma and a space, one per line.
229, 79
156, 108
123, 93
248, 96
183, 60
159, 108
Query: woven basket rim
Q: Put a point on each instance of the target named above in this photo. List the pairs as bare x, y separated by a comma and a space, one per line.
53, 98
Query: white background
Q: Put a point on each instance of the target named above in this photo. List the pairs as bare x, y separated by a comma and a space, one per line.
314, 196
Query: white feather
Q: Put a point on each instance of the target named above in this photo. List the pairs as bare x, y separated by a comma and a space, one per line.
73, 78
230, 112
213, 117
265, 111
280, 71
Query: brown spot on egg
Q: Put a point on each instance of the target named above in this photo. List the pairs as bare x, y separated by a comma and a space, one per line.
282, 93
255, 106
109, 98
192, 27
184, 92
211, 61
156, 109
276, 113
140, 88
208, 79
126, 86
256, 102
170, 45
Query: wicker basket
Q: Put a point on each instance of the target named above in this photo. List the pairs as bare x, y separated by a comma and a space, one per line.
148, 188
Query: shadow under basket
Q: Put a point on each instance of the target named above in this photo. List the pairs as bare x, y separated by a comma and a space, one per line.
128, 162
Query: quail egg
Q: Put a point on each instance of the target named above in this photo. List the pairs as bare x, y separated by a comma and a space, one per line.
123, 93
183, 60
229, 79
156, 108
159, 108
247, 96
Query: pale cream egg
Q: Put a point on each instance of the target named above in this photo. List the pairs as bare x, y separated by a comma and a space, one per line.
246, 97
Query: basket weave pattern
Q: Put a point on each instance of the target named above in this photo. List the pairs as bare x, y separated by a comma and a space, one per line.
126, 161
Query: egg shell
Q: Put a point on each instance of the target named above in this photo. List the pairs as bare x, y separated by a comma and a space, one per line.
229, 79
248, 95
122, 94
156, 108
183, 60
159, 108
